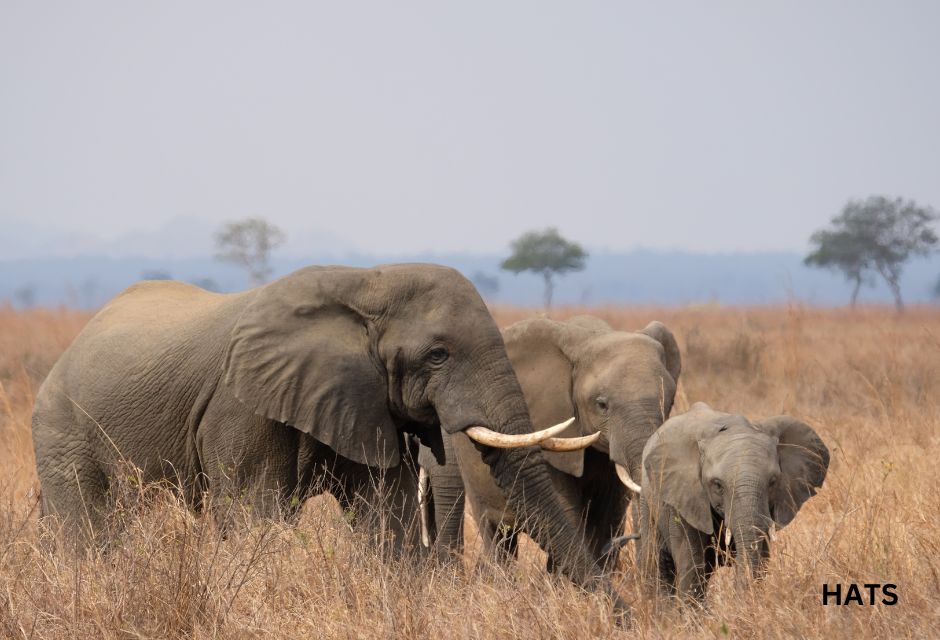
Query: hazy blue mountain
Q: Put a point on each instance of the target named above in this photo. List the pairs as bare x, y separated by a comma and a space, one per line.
179, 238
634, 277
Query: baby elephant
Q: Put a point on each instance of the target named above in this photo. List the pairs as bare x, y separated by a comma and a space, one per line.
717, 485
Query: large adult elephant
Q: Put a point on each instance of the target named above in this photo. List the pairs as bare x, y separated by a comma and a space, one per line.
309, 383
620, 384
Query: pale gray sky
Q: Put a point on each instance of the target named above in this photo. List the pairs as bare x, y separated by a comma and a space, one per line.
399, 127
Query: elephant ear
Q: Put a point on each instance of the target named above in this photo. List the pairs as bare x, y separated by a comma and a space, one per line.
672, 468
300, 355
671, 356
804, 460
544, 373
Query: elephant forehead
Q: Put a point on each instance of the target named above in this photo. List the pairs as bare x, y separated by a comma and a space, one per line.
738, 445
610, 359
700, 421
619, 342
424, 286
445, 312
440, 310
411, 272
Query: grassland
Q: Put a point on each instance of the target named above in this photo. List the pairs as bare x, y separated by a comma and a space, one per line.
868, 380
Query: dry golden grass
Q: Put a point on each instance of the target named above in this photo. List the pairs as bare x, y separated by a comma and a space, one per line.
867, 379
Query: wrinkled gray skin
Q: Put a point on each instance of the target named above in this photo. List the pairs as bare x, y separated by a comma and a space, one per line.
707, 473
617, 382
307, 384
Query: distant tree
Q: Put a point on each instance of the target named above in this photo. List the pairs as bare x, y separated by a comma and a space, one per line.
487, 284
248, 243
155, 274
25, 296
546, 253
842, 251
89, 292
874, 236
206, 283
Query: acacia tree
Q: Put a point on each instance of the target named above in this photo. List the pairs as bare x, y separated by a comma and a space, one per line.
839, 250
485, 283
874, 236
248, 243
546, 253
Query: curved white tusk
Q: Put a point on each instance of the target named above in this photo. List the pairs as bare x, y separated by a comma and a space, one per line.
772, 532
491, 438
570, 444
424, 482
727, 536
625, 478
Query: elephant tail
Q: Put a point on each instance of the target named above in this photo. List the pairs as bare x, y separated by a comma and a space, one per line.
618, 542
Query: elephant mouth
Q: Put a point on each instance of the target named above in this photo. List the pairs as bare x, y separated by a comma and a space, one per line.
602, 444
725, 533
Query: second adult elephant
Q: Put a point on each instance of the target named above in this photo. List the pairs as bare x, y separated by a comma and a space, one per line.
619, 383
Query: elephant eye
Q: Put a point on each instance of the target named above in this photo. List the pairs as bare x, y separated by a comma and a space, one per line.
438, 355
601, 402
716, 484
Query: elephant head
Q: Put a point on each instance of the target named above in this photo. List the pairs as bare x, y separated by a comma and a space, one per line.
618, 383
355, 357
732, 478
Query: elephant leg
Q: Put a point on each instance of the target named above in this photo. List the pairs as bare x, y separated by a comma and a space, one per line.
654, 561
250, 464
448, 508
404, 516
606, 514
75, 493
688, 548
383, 503
74, 488
665, 572
445, 508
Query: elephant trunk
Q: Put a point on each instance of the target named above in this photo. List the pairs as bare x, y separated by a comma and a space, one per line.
522, 474
627, 442
749, 522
